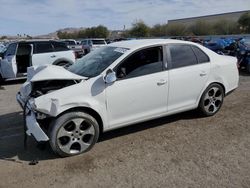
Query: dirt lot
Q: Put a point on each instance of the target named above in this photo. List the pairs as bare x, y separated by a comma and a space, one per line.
183, 150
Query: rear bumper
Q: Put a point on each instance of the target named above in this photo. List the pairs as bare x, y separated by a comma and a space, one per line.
32, 127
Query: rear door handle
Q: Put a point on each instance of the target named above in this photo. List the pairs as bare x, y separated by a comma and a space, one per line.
161, 82
53, 56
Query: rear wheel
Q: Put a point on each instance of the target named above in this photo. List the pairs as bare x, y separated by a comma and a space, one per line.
73, 133
211, 100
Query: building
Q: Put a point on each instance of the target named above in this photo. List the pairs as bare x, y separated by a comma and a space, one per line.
232, 16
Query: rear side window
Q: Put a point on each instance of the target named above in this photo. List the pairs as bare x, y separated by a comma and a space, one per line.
201, 56
59, 46
43, 47
182, 55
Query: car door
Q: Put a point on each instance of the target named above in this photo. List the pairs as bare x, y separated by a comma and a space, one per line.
8, 63
43, 53
141, 90
62, 52
188, 73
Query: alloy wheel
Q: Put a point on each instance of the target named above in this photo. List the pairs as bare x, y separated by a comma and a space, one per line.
213, 100
75, 136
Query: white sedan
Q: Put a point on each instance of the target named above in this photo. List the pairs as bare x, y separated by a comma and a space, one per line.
122, 84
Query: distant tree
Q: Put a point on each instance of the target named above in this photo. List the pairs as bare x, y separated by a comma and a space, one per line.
139, 29
158, 30
94, 32
176, 30
81, 34
201, 28
4, 37
226, 27
101, 31
244, 22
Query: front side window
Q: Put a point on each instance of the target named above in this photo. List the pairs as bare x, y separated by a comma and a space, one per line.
43, 47
97, 61
182, 55
11, 50
143, 62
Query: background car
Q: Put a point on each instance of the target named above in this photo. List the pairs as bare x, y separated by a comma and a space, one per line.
20, 55
91, 44
77, 48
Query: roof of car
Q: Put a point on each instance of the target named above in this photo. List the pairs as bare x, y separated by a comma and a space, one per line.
35, 40
93, 39
133, 44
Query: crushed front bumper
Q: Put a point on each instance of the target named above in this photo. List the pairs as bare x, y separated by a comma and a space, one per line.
32, 127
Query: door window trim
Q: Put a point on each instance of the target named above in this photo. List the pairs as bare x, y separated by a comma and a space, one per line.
169, 58
137, 50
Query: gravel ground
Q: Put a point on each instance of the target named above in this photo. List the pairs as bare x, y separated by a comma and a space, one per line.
183, 150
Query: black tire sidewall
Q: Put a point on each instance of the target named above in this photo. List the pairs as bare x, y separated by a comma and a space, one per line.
201, 103
59, 122
248, 67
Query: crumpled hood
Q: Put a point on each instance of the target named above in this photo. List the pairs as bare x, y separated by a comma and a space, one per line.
51, 72
46, 73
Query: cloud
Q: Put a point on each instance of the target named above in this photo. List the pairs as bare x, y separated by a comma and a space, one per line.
43, 16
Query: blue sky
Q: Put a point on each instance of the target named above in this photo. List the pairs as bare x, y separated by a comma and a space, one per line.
36, 17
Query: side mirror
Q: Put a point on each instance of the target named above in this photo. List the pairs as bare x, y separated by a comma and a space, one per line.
110, 77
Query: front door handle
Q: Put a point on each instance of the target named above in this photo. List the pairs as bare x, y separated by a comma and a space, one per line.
203, 74
161, 82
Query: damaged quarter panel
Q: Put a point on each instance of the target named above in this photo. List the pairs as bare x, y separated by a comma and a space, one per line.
88, 93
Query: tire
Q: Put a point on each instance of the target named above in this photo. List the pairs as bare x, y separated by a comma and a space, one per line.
73, 133
1, 80
248, 68
211, 100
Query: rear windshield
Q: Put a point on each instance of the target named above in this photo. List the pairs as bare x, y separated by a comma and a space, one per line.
69, 42
98, 42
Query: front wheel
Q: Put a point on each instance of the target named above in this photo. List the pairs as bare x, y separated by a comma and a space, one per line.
1, 80
211, 100
73, 133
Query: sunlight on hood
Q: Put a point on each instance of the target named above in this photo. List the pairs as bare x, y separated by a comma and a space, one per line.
51, 72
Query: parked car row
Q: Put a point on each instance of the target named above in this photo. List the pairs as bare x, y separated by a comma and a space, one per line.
17, 56
237, 47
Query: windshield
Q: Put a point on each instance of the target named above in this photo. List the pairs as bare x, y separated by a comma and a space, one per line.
98, 42
97, 61
69, 42
247, 42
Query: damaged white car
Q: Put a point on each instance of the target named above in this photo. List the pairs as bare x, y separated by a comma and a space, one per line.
122, 84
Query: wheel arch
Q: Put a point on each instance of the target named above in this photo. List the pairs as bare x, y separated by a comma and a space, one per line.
87, 110
214, 82
62, 60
